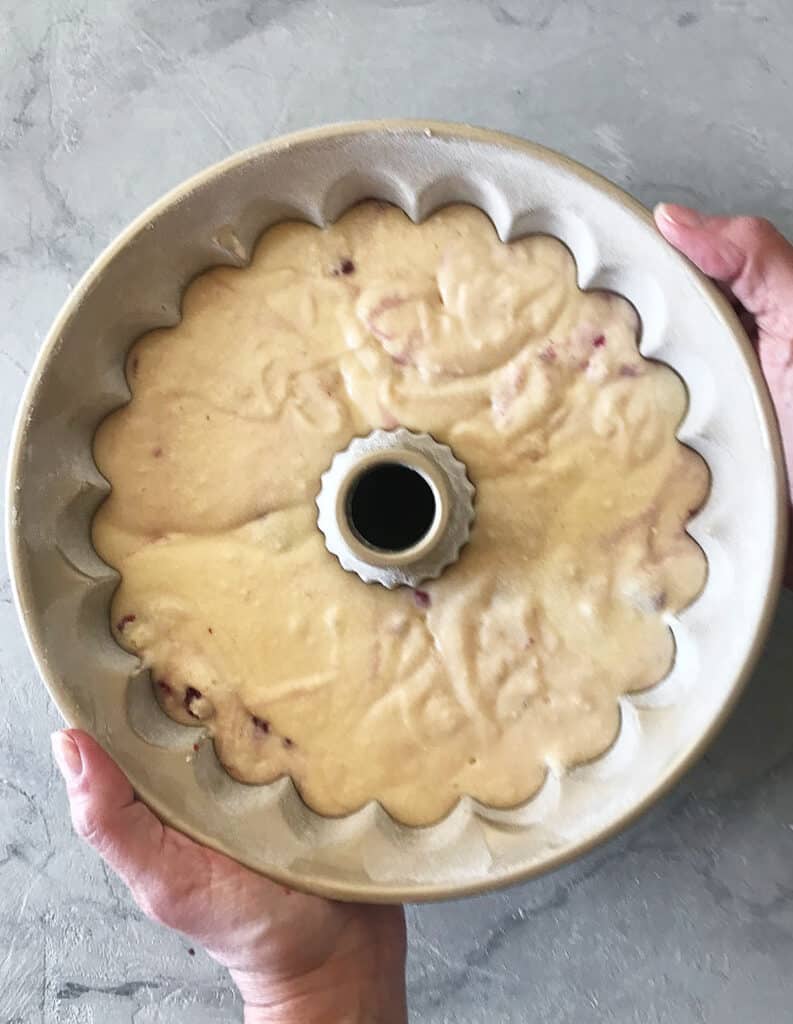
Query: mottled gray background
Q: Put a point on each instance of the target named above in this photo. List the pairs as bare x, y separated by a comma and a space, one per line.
104, 106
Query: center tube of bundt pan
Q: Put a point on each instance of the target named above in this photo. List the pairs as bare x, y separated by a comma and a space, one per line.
395, 507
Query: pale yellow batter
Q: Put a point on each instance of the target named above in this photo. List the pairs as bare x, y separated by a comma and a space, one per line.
513, 661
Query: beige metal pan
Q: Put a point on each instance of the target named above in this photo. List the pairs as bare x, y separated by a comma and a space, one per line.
63, 589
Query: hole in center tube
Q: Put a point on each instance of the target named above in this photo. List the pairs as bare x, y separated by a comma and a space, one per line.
390, 507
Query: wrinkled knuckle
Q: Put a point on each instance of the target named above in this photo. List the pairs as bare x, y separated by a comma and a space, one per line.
757, 229
88, 823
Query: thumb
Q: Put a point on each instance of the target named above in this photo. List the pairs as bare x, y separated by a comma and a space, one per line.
161, 866
746, 253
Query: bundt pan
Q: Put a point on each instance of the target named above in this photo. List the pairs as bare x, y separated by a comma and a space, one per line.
63, 589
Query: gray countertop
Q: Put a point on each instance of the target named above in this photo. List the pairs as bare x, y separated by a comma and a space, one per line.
689, 917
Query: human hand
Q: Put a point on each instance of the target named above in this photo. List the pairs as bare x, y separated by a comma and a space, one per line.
749, 258
294, 958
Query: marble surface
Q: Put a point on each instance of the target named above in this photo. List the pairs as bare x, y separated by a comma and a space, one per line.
689, 917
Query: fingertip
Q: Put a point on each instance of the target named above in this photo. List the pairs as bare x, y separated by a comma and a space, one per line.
665, 222
95, 759
66, 753
703, 239
92, 777
674, 216
661, 214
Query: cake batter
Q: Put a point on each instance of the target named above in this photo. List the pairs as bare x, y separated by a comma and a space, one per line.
513, 661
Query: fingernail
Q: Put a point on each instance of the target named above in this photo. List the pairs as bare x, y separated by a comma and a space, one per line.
682, 216
67, 755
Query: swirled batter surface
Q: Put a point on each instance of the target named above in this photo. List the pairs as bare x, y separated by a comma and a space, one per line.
514, 660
